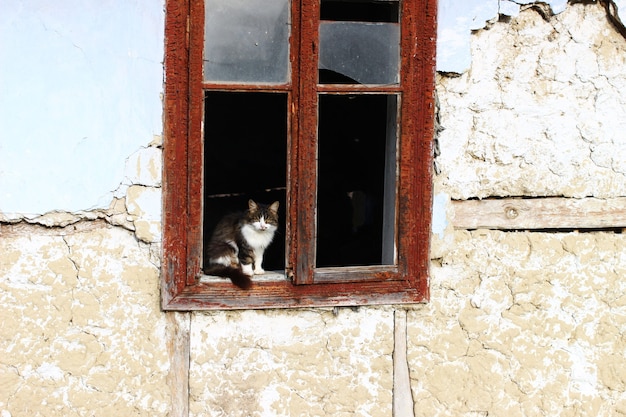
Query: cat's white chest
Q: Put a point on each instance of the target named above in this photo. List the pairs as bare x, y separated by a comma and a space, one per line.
258, 238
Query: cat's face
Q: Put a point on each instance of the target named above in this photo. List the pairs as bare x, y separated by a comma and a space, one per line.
263, 218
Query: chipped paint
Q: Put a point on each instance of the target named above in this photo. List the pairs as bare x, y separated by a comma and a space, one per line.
81, 329
533, 119
272, 366
530, 328
457, 19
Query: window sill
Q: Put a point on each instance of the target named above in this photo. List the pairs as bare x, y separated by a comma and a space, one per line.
268, 276
275, 290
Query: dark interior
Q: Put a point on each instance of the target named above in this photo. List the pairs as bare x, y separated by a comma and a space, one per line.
245, 158
360, 11
351, 162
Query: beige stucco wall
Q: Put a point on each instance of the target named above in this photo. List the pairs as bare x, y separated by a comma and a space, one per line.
81, 331
518, 324
523, 324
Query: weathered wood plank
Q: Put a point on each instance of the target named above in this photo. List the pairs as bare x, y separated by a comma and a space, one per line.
402, 397
540, 213
177, 333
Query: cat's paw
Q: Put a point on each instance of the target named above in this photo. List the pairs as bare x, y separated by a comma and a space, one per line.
247, 269
259, 271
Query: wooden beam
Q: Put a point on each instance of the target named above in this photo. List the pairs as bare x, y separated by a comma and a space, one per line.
540, 213
402, 397
177, 331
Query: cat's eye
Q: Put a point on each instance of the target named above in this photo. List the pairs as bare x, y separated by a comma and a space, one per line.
325, 106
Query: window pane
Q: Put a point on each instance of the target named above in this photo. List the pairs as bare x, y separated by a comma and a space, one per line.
356, 180
359, 42
245, 154
246, 41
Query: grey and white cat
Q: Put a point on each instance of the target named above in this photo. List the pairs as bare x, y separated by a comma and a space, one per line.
239, 241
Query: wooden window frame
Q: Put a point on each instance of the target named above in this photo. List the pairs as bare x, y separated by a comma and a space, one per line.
405, 282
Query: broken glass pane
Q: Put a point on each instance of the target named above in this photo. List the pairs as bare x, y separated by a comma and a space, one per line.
246, 41
359, 41
365, 52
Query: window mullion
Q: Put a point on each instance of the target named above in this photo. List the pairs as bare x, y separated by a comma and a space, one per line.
303, 258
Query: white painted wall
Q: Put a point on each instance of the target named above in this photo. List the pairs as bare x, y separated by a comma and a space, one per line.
79, 93
80, 86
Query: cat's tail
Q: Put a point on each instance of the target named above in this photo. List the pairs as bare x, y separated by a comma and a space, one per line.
236, 275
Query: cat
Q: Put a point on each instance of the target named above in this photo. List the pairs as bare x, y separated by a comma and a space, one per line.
239, 241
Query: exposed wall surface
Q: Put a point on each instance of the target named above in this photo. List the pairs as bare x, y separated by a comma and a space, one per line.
282, 363
519, 323
79, 92
82, 333
523, 324
541, 112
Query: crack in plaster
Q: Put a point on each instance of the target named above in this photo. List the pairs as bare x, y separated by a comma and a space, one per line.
69, 256
545, 10
77, 275
583, 379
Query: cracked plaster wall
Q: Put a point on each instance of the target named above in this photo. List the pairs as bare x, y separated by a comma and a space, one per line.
81, 332
541, 112
518, 323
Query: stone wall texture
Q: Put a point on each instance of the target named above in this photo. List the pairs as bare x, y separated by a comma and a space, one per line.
518, 323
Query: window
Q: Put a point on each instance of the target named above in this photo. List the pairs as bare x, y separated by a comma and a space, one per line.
326, 106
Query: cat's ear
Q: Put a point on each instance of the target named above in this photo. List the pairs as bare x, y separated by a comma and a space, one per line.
274, 207
252, 206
